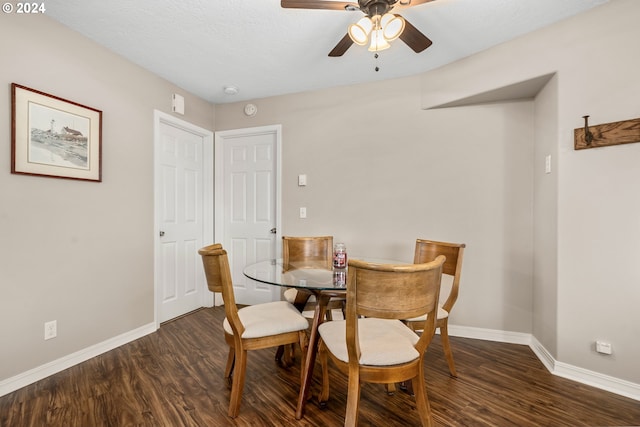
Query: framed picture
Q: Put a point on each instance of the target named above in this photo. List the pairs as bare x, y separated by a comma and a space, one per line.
54, 137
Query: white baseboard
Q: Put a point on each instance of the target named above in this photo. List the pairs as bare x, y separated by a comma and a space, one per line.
595, 379
545, 357
574, 373
489, 334
25, 378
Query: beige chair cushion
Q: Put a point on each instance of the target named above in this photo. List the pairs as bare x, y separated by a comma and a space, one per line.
442, 314
290, 295
382, 342
272, 318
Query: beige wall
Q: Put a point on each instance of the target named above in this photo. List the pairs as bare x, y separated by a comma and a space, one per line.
78, 252
383, 172
599, 207
549, 254
595, 291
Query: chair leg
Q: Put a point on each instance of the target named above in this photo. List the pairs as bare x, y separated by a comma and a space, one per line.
328, 315
422, 401
304, 344
390, 388
228, 371
287, 352
353, 399
323, 398
407, 387
302, 296
238, 383
287, 355
279, 353
446, 346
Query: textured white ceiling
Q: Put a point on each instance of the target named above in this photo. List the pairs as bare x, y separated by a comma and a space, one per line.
264, 50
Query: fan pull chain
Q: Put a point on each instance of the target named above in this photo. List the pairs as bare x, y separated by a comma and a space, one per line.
376, 58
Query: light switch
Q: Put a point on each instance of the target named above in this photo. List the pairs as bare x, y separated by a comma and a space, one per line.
302, 180
547, 164
303, 212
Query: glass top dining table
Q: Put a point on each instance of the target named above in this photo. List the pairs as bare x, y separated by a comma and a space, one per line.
272, 272
321, 282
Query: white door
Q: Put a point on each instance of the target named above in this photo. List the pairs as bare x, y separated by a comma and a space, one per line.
248, 204
183, 173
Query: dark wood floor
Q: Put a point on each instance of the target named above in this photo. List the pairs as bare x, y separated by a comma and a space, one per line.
174, 378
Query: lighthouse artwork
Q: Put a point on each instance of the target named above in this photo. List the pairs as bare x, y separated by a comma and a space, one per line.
54, 137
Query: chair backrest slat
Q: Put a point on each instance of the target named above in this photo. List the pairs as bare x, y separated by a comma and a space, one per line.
307, 252
428, 250
218, 275
391, 291
212, 269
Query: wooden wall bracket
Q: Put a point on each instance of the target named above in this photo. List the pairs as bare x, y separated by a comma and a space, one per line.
615, 133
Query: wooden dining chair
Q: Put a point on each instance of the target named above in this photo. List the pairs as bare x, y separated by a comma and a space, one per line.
428, 250
250, 328
372, 344
308, 252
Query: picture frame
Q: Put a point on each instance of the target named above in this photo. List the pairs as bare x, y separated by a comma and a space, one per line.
54, 137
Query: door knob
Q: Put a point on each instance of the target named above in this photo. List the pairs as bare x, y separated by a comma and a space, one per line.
273, 230
161, 233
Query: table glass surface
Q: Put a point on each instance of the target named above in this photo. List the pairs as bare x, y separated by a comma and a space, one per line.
272, 272
304, 277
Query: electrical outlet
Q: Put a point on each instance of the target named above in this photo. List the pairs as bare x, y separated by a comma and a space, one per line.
50, 329
303, 212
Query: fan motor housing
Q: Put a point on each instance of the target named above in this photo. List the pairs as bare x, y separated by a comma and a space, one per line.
376, 7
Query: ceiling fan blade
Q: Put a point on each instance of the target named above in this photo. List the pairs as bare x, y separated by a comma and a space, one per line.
410, 3
342, 46
318, 4
414, 38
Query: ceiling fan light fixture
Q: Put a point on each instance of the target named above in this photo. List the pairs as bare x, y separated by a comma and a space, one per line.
359, 32
392, 26
378, 42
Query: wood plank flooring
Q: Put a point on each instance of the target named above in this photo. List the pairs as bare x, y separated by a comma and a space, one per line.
174, 378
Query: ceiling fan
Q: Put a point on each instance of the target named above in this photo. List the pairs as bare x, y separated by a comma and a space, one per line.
379, 26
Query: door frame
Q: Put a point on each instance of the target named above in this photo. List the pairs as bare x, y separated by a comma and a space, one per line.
220, 137
160, 117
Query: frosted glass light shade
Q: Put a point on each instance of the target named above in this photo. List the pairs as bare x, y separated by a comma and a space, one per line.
392, 26
359, 32
378, 42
